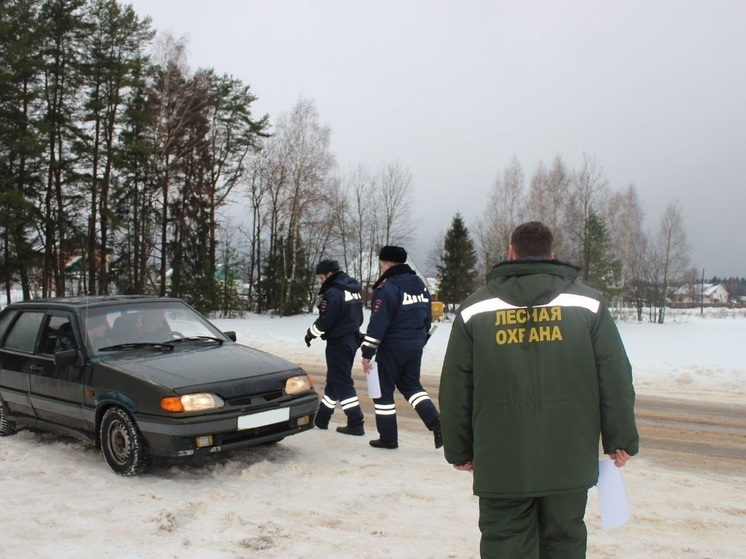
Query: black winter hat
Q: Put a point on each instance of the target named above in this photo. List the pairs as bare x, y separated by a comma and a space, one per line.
327, 266
391, 253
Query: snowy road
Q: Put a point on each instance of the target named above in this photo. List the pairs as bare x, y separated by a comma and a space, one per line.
693, 435
679, 433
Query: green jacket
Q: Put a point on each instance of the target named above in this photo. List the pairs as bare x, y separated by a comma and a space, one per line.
535, 370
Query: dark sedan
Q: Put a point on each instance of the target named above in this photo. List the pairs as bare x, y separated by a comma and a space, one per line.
143, 377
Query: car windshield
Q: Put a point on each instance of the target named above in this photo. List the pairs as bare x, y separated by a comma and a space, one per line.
137, 324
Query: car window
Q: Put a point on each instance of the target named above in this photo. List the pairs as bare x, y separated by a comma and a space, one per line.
185, 322
156, 322
5, 320
24, 331
98, 329
57, 335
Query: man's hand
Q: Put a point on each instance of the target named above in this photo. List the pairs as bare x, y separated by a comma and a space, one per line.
309, 337
619, 457
465, 467
367, 366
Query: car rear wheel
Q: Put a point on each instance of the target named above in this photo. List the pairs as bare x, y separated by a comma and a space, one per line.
7, 427
125, 449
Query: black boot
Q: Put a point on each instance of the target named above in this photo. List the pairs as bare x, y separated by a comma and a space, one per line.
437, 434
378, 443
321, 421
356, 430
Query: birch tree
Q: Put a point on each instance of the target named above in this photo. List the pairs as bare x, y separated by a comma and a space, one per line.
255, 191
172, 107
393, 204
548, 201
504, 211
300, 185
624, 220
673, 250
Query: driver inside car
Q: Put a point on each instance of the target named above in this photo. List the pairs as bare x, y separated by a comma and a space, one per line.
153, 326
99, 333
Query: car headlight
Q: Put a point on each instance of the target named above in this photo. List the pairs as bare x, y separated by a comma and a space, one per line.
298, 384
192, 402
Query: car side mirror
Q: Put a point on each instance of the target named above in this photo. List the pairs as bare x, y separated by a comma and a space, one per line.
231, 335
66, 357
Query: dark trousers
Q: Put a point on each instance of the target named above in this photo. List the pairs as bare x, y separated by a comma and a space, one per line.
549, 527
340, 388
400, 369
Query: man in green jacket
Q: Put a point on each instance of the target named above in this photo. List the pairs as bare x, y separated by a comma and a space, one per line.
534, 372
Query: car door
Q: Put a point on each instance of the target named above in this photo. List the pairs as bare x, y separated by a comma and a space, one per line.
56, 391
20, 332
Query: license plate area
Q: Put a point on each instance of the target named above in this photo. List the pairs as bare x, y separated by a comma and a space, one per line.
263, 418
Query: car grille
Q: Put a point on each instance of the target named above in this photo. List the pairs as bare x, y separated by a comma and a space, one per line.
255, 399
246, 391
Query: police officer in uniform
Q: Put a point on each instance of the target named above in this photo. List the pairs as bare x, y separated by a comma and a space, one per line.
340, 318
397, 331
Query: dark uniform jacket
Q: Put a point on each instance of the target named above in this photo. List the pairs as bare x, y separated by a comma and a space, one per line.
340, 308
400, 311
535, 370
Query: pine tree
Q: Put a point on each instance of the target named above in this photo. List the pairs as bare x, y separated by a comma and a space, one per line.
270, 285
135, 193
600, 269
61, 23
298, 276
457, 270
21, 141
285, 277
111, 68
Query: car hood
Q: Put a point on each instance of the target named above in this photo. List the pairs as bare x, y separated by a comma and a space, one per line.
187, 367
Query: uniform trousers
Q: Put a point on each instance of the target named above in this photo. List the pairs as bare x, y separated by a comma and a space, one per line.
548, 527
340, 388
400, 369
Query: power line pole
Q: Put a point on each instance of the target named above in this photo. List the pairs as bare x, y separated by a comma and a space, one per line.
702, 294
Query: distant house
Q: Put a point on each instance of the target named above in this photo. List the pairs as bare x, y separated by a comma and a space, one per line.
705, 293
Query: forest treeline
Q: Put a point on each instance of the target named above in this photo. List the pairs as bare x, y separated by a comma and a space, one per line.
598, 228
124, 171
121, 171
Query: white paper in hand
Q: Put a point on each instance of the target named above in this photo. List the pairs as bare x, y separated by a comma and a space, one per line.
374, 384
612, 496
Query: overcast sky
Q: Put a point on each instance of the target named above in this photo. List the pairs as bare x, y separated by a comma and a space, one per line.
655, 91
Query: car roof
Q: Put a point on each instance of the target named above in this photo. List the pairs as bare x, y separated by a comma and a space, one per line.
77, 303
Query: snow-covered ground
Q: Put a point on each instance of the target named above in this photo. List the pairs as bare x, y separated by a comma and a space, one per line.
325, 494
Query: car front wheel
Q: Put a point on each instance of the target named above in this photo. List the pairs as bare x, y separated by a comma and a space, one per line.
7, 427
125, 449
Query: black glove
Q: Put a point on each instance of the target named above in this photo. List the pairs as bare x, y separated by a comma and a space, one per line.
309, 337
430, 333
